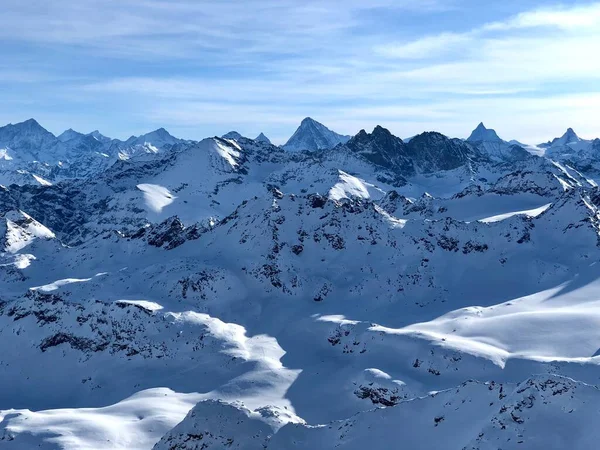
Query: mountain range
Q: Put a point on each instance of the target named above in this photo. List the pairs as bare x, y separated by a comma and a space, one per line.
337, 291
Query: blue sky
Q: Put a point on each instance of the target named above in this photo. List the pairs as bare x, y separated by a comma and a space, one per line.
527, 68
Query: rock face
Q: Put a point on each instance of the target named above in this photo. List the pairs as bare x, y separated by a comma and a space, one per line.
425, 153
312, 135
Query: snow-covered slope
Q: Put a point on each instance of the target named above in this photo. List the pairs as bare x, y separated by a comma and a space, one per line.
288, 294
533, 414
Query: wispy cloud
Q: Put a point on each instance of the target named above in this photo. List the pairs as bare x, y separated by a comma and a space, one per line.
205, 67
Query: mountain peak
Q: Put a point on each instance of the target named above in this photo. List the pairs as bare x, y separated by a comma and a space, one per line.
309, 121
569, 137
99, 136
481, 133
31, 125
69, 134
380, 131
382, 148
262, 138
312, 135
29, 129
232, 135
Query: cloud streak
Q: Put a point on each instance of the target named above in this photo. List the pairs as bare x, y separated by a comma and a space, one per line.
205, 67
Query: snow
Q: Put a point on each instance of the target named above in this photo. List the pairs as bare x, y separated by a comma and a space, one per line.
529, 213
147, 305
59, 283
291, 296
351, 187
22, 230
41, 180
156, 197
554, 325
135, 423
228, 153
5, 155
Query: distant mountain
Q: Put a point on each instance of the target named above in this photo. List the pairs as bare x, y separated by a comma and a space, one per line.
481, 133
336, 298
312, 135
98, 136
28, 138
232, 135
432, 152
382, 148
69, 134
487, 141
568, 138
425, 153
30, 154
262, 138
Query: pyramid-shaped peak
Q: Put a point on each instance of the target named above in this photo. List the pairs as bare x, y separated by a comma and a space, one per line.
69, 134
308, 121
481, 133
569, 137
262, 138
30, 124
312, 135
379, 130
570, 133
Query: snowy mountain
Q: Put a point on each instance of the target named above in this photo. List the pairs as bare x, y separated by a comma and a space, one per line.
232, 135
312, 135
481, 133
262, 138
489, 143
570, 149
29, 154
569, 138
230, 293
473, 416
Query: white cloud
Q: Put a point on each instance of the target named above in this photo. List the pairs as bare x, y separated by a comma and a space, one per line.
579, 18
427, 47
265, 65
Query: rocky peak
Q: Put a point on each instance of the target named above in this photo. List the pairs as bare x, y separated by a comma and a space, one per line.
481, 133
312, 135
262, 138
232, 135
432, 151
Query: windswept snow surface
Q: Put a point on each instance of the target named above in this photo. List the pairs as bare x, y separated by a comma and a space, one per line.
529, 213
156, 197
352, 187
135, 423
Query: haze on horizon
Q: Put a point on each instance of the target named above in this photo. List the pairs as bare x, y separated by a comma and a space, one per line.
525, 68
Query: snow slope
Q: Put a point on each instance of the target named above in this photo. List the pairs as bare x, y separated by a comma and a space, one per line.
303, 299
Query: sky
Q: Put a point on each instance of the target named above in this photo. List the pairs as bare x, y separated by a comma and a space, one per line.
527, 68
